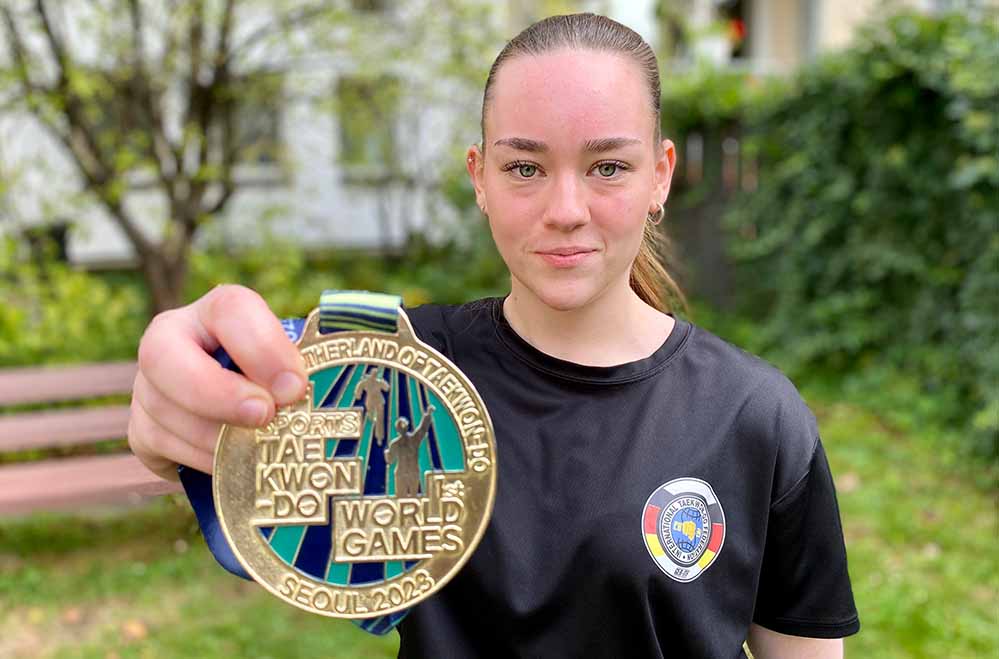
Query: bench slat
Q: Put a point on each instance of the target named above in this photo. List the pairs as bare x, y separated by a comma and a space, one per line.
19, 386
68, 427
75, 482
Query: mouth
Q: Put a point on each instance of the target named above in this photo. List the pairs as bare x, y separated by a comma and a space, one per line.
566, 257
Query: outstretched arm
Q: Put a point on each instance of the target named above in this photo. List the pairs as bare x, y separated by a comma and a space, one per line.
425, 422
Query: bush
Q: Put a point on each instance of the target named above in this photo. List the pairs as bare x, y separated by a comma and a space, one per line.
53, 313
871, 239
291, 280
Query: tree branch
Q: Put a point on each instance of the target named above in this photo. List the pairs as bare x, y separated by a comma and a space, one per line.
195, 41
225, 34
220, 81
286, 22
165, 156
79, 139
80, 135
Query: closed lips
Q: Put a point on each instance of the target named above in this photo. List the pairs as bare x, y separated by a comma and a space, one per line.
566, 251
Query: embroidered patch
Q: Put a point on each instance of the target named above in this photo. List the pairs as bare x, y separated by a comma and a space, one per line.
684, 527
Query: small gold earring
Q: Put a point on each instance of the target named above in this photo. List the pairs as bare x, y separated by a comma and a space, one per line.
657, 216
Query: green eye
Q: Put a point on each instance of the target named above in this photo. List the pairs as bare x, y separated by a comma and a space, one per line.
532, 169
608, 172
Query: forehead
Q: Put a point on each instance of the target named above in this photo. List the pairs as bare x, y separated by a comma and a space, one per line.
569, 96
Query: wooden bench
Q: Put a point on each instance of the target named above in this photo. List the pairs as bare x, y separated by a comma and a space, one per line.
72, 482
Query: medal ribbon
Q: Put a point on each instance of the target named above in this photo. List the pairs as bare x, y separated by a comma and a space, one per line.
358, 310
339, 311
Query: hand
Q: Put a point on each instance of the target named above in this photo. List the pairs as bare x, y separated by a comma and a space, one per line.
181, 396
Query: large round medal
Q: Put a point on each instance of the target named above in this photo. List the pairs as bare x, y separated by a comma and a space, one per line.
369, 494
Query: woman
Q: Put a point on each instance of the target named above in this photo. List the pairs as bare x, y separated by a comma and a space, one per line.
605, 403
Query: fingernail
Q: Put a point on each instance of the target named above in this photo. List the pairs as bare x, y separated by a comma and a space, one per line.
254, 411
287, 387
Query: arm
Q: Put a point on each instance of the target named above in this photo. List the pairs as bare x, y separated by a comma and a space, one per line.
425, 421
767, 644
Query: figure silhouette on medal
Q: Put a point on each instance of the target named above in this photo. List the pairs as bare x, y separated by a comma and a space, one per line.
374, 401
403, 452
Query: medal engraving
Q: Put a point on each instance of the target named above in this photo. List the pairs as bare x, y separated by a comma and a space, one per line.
370, 493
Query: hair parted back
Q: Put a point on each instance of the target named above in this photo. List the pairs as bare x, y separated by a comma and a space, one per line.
586, 31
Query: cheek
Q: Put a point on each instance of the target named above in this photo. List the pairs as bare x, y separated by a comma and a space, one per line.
507, 231
623, 226
511, 218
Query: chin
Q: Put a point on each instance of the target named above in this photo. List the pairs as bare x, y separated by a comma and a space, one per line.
565, 295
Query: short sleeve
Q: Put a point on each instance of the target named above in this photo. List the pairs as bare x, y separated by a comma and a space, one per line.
430, 327
804, 587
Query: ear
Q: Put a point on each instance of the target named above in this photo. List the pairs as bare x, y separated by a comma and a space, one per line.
663, 174
475, 163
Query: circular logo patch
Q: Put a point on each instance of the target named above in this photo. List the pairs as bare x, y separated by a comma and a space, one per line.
684, 527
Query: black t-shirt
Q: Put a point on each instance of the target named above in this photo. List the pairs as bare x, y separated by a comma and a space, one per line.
654, 508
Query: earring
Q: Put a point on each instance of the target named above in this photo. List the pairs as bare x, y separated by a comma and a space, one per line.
657, 216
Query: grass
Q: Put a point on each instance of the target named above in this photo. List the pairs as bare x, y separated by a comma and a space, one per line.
920, 528
143, 584
920, 532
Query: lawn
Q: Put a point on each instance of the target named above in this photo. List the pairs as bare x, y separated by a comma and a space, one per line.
920, 528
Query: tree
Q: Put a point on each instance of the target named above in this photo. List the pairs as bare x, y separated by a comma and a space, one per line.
150, 94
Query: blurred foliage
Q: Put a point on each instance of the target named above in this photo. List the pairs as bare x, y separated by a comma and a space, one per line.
710, 97
54, 313
464, 268
870, 244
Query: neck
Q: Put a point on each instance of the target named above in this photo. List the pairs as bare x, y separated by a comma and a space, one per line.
614, 328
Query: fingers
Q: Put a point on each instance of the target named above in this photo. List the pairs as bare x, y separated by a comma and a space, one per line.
181, 394
159, 449
244, 325
200, 432
173, 358
174, 362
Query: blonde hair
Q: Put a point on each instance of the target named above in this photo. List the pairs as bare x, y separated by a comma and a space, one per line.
649, 278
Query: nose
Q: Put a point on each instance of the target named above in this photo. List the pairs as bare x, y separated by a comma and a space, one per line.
567, 206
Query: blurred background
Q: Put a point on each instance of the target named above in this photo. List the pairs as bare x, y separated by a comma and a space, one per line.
835, 210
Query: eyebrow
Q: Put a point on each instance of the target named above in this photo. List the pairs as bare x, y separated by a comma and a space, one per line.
590, 146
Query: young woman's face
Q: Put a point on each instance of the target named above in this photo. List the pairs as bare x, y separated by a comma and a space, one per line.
569, 168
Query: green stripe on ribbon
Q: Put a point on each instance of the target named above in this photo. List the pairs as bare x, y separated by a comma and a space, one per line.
358, 310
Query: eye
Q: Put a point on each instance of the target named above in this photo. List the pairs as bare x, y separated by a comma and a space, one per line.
525, 169
608, 168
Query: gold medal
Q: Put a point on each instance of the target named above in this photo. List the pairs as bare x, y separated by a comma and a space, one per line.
369, 494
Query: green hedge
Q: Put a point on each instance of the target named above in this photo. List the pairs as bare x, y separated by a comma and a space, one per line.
53, 313
871, 241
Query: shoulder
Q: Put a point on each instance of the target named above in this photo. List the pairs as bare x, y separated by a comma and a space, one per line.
771, 416
438, 324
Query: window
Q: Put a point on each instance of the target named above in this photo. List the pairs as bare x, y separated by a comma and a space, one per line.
734, 14
255, 100
367, 109
258, 99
